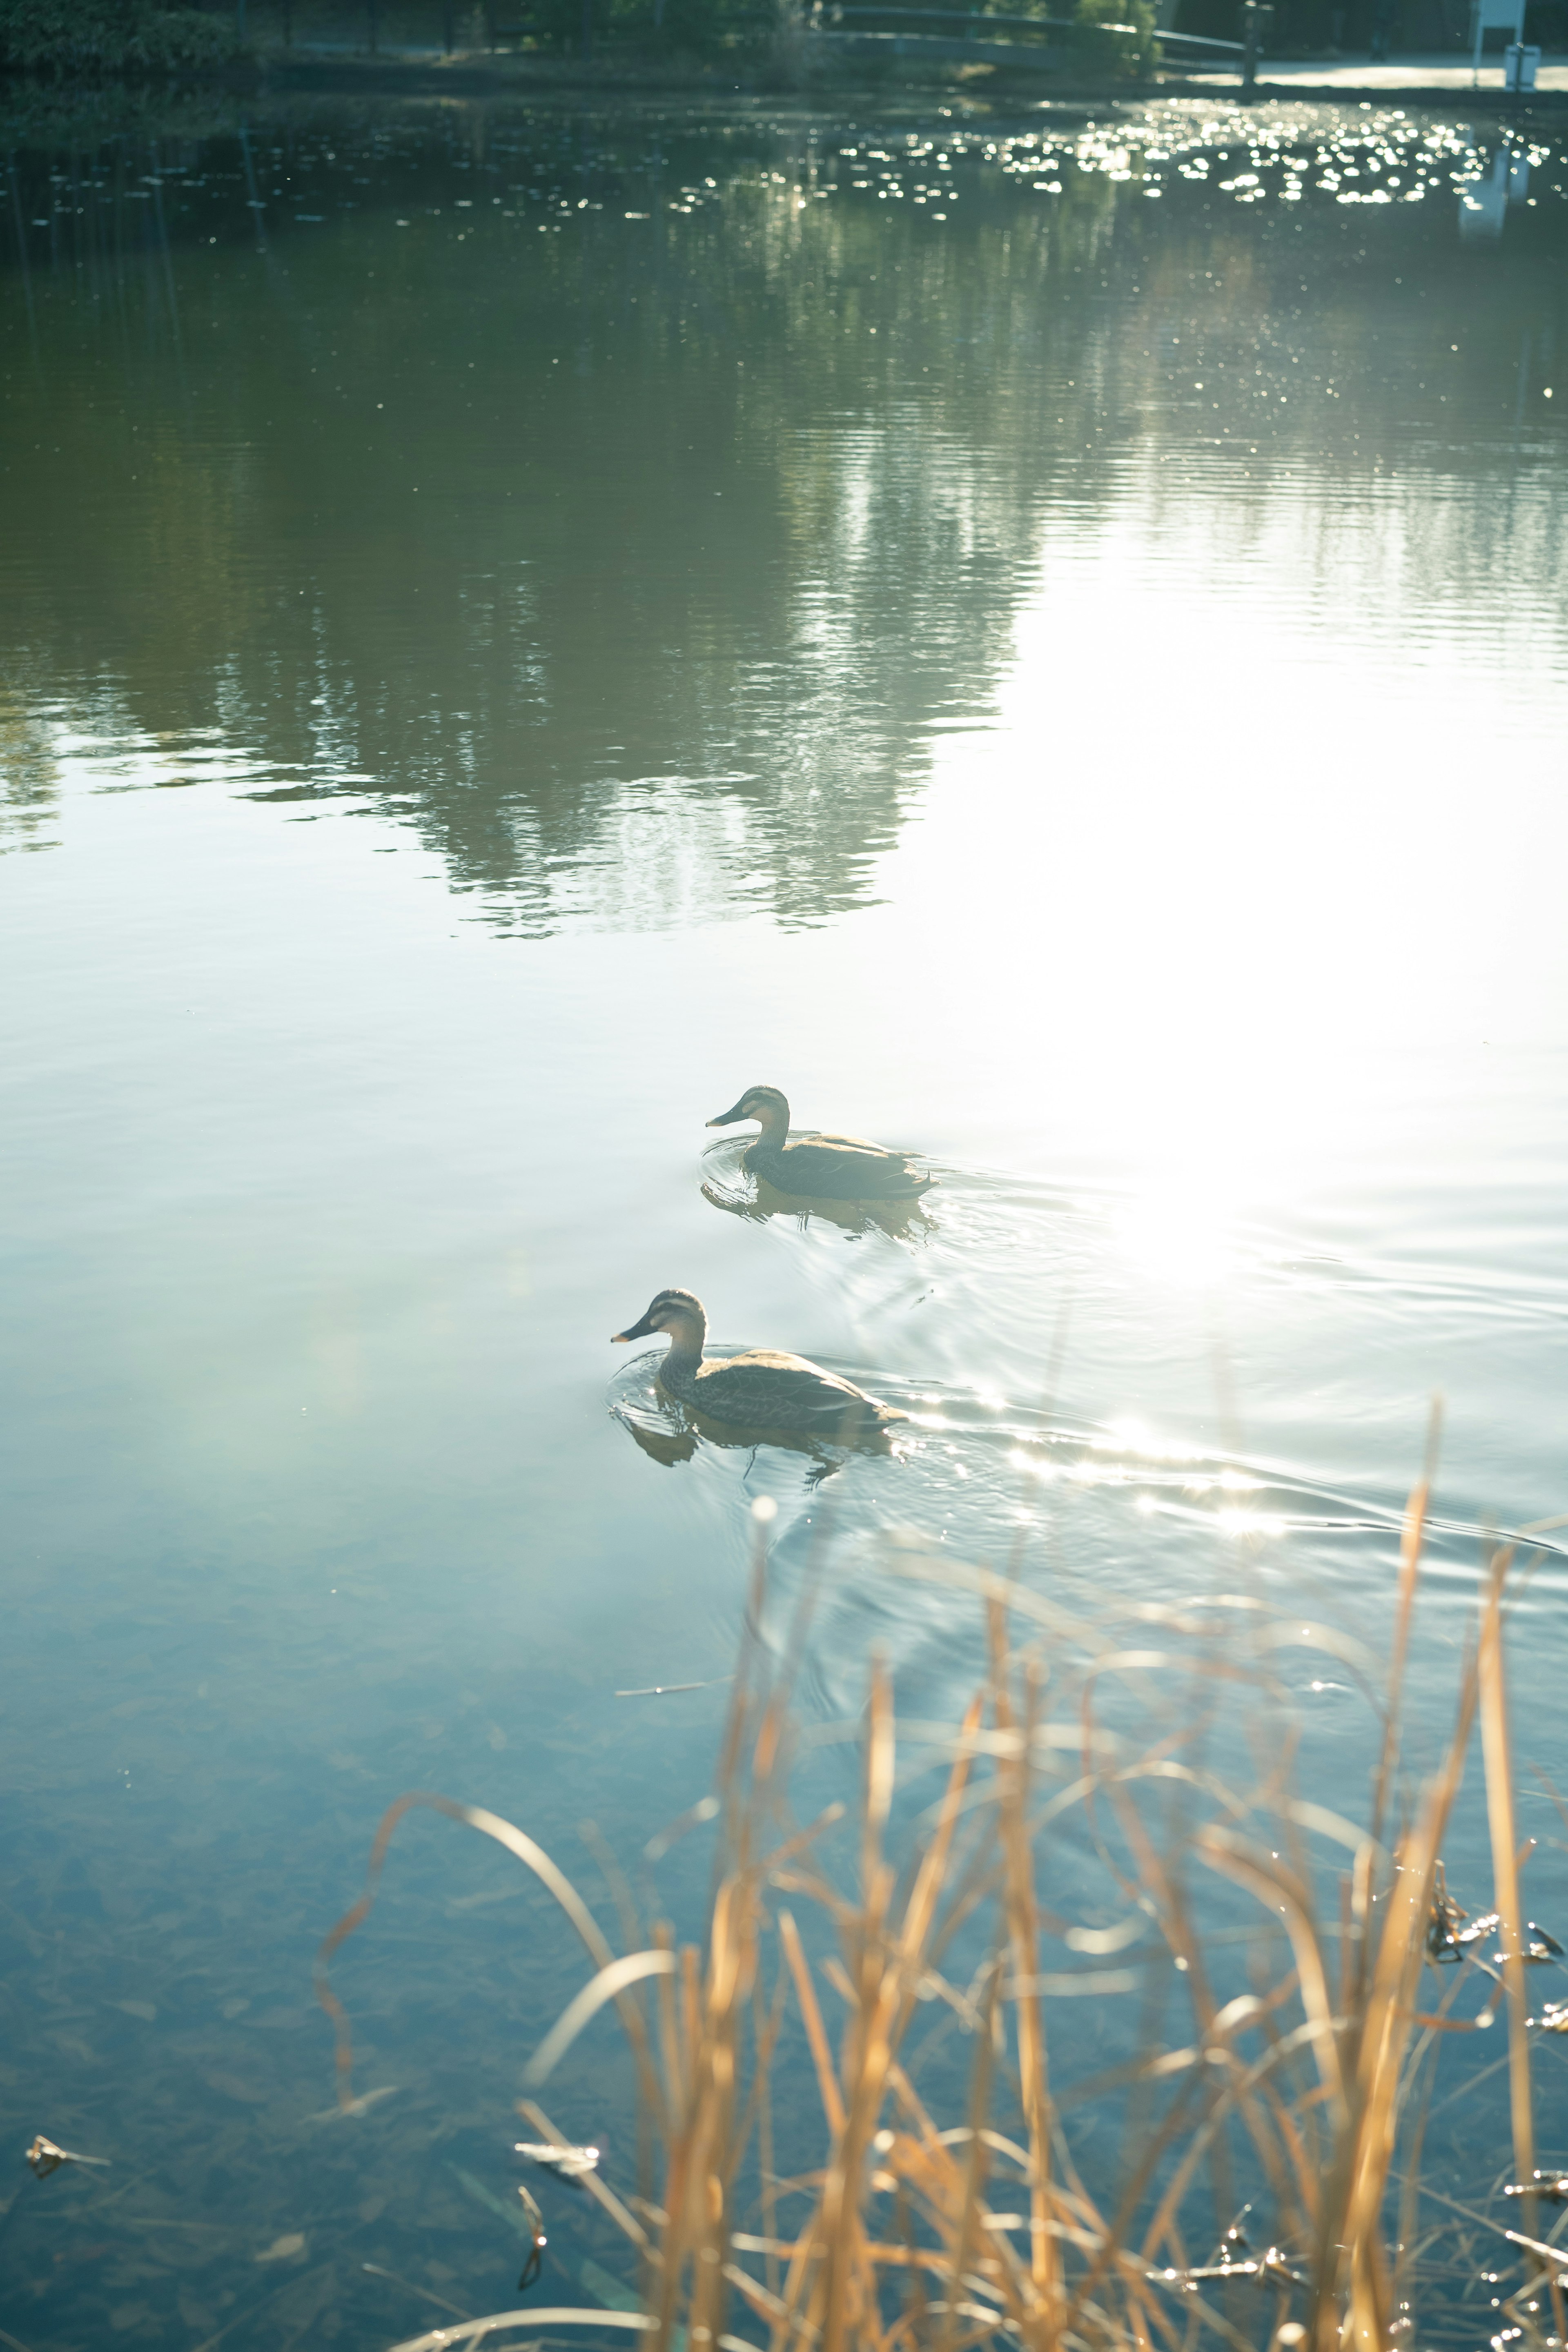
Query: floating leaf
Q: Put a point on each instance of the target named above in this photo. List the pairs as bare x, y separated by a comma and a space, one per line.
284, 2248
572, 2163
46, 2158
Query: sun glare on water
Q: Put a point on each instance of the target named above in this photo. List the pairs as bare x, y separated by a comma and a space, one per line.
1197, 883
1177, 1236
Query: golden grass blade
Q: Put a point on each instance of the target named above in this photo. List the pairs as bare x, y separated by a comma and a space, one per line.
1411, 1536
471, 2331
1018, 1865
919, 1911
604, 1987
878, 1786
690, 2012
816, 2033
1312, 2072
1495, 1750
490, 1826
1281, 1891
966, 2224
1554, 2255
1351, 2262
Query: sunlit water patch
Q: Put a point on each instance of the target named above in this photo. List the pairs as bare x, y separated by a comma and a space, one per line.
1102, 1524
1167, 1314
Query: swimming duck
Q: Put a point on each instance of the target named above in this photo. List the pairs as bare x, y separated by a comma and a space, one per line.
761, 1389
827, 1167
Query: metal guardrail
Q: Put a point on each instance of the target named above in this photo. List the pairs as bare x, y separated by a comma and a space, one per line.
958, 49
973, 19
1201, 41
826, 20
980, 24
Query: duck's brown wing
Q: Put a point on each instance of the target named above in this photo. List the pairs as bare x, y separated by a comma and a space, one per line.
766, 1389
846, 1168
852, 1143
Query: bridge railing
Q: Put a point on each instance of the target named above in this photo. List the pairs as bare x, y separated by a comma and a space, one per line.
832, 18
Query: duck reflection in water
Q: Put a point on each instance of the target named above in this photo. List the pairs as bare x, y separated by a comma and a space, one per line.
817, 1168
903, 1218
759, 1396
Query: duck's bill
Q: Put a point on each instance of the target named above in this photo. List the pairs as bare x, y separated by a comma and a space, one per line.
634, 1331
728, 1118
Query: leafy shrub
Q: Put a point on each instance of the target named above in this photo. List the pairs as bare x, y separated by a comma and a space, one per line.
81, 38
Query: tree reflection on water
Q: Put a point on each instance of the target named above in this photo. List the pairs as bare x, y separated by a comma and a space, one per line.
633, 501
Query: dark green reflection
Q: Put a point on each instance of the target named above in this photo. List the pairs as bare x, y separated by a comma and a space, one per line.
629, 499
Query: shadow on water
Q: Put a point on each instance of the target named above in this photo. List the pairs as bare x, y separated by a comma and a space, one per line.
669, 1431
727, 1184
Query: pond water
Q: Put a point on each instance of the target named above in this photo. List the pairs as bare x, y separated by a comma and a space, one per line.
1042, 637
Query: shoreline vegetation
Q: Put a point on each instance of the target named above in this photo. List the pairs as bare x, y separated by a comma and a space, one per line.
1008, 50
127, 55
725, 46
1283, 2072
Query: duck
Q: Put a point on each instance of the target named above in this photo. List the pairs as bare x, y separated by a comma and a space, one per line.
761, 1388
820, 1166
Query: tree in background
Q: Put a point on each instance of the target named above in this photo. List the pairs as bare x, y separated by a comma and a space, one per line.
1129, 54
80, 39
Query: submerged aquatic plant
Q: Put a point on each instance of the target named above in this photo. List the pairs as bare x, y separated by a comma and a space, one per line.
902, 2227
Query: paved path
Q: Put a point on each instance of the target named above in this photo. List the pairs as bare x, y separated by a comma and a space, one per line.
1355, 78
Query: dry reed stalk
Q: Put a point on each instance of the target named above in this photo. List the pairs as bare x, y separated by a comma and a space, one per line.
1315, 2100
1506, 1857
1495, 1747
830, 2294
1018, 1861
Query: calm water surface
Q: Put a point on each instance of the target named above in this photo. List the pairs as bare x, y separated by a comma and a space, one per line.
1044, 640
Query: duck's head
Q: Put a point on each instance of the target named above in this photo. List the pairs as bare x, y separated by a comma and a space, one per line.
763, 1103
675, 1311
